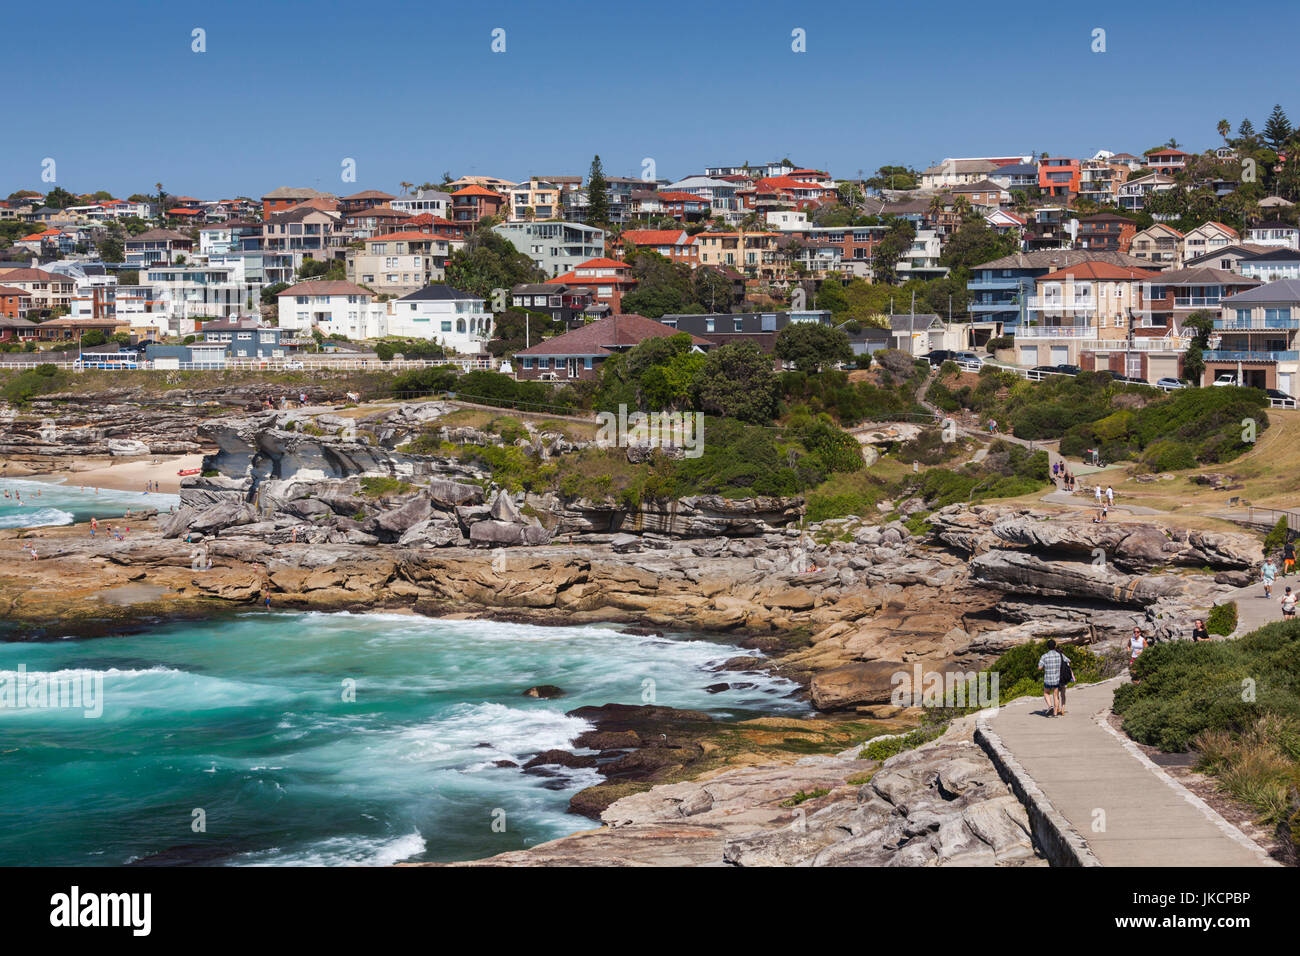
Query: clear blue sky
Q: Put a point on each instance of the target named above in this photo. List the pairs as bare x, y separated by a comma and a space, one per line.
287, 90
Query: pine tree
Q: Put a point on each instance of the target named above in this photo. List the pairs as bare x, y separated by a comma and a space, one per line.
597, 194
1278, 128
1246, 131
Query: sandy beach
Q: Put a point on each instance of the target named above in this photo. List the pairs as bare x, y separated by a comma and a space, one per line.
126, 475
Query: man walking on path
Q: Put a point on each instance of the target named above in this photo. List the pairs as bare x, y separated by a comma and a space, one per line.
1267, 574
1110, 496
1050, 665
1096, 490
1288, 558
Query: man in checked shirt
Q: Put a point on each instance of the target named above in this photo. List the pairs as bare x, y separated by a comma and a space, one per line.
1050, 665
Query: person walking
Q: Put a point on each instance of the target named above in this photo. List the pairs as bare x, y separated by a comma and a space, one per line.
1136, 645
1288, 602
1288, 558
1110, 496
1199, 633
1096, 491
1051, 664
1267, 574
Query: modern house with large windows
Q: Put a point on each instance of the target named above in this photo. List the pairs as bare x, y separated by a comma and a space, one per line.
1255, 338
454, 319
556, 247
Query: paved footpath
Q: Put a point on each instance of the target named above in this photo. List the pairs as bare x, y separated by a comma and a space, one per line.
1083, 766
1254, 610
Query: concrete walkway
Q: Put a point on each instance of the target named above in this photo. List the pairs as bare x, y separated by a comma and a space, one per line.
1119, 805
1254, 610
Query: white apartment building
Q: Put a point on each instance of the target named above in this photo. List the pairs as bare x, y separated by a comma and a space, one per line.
432, 201
397, 263
454, 319
335, 307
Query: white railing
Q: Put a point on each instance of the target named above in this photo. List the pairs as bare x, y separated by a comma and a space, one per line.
316, 363
1055, 332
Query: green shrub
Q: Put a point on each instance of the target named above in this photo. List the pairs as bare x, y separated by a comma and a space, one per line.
1019, 676
885, 748
1222, 619
1186, 688
1167, 456
380, 487
1276, 539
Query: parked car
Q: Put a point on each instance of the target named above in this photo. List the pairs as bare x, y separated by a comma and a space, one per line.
1068, 369
1226, 378
1168, 382
938, 356
1040, 372
294, 366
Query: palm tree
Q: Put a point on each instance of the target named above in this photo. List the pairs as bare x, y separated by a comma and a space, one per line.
962, 207
406, 187
937, 205
1224, 129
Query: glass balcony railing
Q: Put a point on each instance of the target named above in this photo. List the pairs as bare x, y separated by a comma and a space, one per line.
1226, 355
1246, 325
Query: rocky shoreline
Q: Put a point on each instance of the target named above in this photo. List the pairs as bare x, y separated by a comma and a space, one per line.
327, 513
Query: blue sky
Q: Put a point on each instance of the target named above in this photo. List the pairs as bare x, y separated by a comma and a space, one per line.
287, 90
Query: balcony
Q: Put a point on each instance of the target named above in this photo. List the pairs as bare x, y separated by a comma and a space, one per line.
1223, 355
1196, 301
1247, 325
1039, 303
975, 284
1057, 332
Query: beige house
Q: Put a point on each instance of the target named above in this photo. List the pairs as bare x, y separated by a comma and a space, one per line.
398, 263
1160, 244
957, 172
756, 254
535, 199
1208, 237
1080, 308
48, 290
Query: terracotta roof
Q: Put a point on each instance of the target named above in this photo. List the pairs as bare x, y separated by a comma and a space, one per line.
680, 197
32, 275
10, 290
477, 191
410, 235
326, 287
1099, 270
601, 263
656, 237
1228, 229
605, 335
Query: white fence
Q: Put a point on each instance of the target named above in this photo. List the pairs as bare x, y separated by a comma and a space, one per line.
314, 363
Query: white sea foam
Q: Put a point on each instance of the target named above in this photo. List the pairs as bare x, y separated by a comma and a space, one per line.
339, 851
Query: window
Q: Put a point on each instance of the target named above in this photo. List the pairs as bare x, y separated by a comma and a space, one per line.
709, 325
446, 325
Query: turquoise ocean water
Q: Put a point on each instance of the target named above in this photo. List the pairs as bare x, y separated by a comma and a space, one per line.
242, 724
65, 503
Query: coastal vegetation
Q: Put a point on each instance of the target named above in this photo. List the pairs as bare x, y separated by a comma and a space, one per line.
1121, 420
1236, 705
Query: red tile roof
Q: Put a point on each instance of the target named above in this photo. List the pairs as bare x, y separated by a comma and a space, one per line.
409, 235
656, 237
1099, 270
605, 335
477, 191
